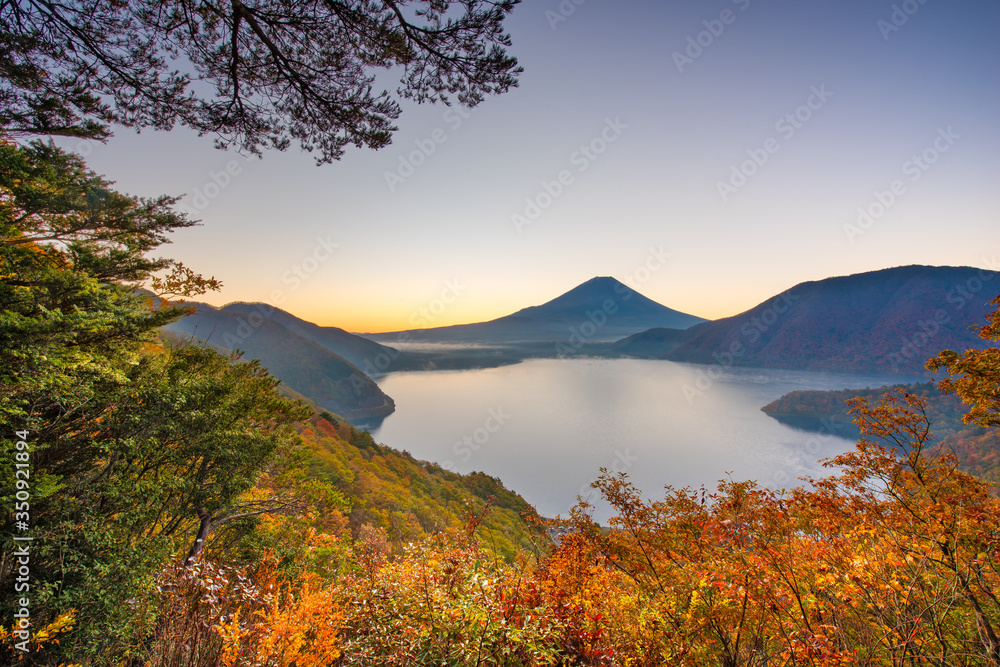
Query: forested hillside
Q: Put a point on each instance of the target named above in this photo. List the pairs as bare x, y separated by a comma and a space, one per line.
167, 506
976, 448
886, 321
308, 367
409, 500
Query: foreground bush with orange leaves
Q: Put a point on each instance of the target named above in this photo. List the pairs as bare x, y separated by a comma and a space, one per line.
892, 561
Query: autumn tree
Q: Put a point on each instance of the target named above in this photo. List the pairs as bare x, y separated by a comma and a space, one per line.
977, 372
129, 444
931, 531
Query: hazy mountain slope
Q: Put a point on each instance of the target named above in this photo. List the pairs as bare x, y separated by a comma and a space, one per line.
361, 352
308, 368
649, 344
599, 309
882, 321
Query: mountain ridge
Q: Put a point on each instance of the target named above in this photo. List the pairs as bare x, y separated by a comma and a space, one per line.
602, 305
303, 365
889, 320
359, 351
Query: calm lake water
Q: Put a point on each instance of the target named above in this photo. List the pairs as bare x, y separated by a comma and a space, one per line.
546, 427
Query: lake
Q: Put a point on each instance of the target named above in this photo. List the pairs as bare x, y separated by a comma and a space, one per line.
546, 427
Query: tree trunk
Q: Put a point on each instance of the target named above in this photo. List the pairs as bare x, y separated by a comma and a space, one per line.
199, 541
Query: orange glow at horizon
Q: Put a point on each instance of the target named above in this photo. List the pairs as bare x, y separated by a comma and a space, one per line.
372, 311
374, 320
358, 316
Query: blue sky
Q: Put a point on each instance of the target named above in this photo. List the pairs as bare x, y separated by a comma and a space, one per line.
709, 154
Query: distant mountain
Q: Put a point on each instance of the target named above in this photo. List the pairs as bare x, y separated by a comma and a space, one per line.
650, 344
886, 321
305, 366
601, 309
366, 354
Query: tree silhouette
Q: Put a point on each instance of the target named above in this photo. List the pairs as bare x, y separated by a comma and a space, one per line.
255, 73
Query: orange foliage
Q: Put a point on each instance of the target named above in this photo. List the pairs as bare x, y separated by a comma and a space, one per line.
287, 628
892, 561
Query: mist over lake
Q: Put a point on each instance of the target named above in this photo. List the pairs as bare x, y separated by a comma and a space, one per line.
547, 426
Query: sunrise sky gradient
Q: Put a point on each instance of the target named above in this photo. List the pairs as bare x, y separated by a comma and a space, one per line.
629, 116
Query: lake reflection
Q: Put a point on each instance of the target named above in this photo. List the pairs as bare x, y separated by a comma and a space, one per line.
546, 427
